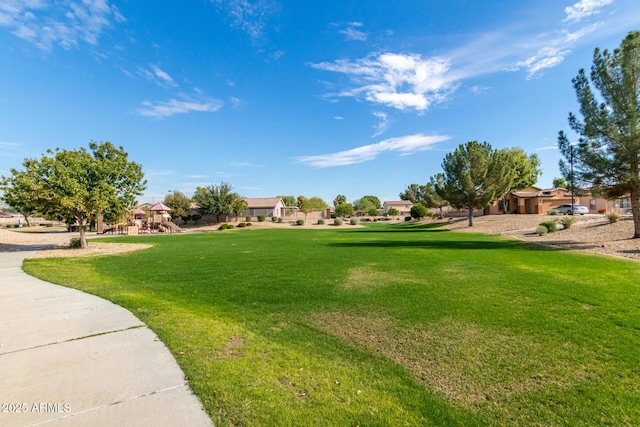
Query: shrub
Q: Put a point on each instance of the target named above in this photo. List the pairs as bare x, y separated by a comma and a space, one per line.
419, 211
541, 230
337, 221
552, 212
300, 222
279, 220
75, 243
320, 221
248, 224
262, 217
242, 225
407, 218
248, 218
354, 221
551, 226
225, 226
274, 219
613, 217
602, 210
568, 221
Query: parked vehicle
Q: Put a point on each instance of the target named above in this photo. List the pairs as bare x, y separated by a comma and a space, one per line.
572, 209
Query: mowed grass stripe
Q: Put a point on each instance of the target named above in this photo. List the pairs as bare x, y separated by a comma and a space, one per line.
383, 325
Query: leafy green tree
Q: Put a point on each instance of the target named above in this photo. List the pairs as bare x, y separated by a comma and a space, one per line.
300, 201
344, 209
340, 199
180, 205
373, 212
216, 199
412, 193
79, 184
419, 211
239, 205
289, 200
475, 176
523, 171
18, 195
607, 155
367, 203
313, 204
392, 212
559, 183
430, 197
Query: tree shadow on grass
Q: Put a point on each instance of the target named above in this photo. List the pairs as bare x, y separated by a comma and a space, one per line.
403, 228
448, 244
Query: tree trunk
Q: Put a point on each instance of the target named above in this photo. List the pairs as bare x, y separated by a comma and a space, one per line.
83, 238
635, 211
26, 219
470, 217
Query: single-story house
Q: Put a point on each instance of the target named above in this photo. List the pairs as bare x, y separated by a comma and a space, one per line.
270, 206
403, 207
536, 200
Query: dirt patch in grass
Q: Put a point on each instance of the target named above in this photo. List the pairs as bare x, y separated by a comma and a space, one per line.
464, 363
233, 349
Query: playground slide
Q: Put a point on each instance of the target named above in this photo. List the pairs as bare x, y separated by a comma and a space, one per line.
170, 225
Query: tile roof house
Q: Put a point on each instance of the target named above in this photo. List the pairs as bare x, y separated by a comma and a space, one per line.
270, 206
403, 206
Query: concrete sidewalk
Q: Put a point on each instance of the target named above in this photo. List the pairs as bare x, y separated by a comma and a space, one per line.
72, 359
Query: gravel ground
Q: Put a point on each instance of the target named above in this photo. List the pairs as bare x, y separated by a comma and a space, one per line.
592, 233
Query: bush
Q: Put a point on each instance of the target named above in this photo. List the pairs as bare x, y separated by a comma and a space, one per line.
613, 217
248, 224
552, 212
320, 221
75, 243
602, 210
247, 218
419, 211
274, 219
337, 221
551, 226
225, 226
242, 225
407, 218
300, 222
262, 217
568, 221
541, 230
279, 220
354, 221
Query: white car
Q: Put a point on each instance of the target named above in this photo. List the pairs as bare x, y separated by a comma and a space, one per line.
572, 209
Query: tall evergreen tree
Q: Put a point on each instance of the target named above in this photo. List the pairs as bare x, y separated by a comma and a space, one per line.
607, 155
475, 175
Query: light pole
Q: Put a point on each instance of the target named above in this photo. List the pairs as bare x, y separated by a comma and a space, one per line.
572, 179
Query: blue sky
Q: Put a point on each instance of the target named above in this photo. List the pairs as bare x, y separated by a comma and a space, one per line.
317, 98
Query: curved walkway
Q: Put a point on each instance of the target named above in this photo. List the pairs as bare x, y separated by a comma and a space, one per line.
72, 359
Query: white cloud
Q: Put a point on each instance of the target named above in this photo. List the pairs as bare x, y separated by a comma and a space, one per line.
173, 106
64, 23
338, 117
405, 145
351, 32
550, 147
163, 76
547, 57
158, 76
382, 125
584, 8
402, 81
250, 16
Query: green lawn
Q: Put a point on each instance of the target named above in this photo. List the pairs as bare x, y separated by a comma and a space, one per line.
388, 325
